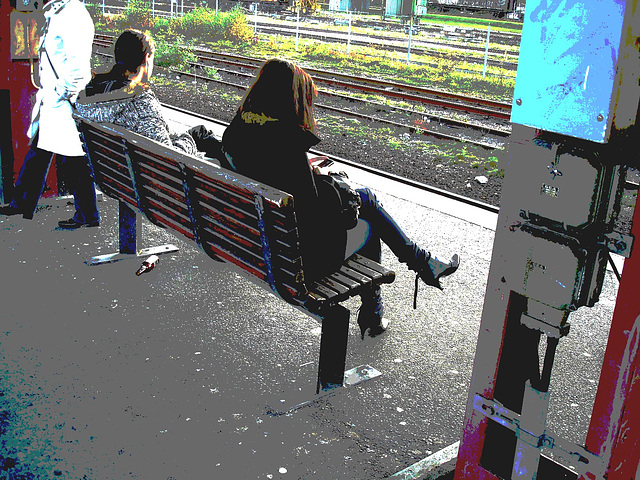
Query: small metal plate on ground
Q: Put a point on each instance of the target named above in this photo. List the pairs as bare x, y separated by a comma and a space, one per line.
299, 394
159, 250
360, 374
145, 252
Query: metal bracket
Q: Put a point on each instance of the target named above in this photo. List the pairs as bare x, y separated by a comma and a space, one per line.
548, 320
619, 243
145, 252
549, 330
297, 399
580, 458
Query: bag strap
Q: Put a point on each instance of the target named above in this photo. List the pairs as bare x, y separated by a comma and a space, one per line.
50, 62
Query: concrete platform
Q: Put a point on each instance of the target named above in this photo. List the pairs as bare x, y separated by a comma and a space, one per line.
168, 375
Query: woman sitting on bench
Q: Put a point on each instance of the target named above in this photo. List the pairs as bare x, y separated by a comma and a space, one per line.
268, 140
123, 95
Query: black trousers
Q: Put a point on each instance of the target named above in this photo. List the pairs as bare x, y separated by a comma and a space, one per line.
75, 172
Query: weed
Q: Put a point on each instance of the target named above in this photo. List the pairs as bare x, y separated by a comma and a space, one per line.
172, 54
138, 15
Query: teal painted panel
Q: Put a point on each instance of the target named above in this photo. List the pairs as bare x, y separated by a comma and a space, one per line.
393, 7
567, 66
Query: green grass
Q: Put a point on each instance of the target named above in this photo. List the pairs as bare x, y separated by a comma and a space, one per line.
442, 153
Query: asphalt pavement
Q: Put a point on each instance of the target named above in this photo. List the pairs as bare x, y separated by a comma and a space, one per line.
172, 374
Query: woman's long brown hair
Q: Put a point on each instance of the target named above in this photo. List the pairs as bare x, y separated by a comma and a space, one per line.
282, 91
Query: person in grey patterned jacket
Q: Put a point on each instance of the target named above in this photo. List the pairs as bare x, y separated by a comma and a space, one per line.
123, 95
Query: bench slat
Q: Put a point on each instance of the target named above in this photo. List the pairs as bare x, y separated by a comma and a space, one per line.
322, 293
167, 186
281, 207
208, 188
111, 159
371, 268
349, 283
232, 236
171, 206
158, 218
354, 274
330, 283
118, 190
166, 167
227, 210
111, 151
176, 217
235, 249
221, 253
105, 169
221, 184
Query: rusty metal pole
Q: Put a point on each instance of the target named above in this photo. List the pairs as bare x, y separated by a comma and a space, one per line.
16, 91
614, 431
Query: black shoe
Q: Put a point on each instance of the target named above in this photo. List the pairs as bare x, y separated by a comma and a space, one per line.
370, 315
9, 209
72, 224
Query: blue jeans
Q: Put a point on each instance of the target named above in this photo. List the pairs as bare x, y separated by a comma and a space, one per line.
382, 227
74, 170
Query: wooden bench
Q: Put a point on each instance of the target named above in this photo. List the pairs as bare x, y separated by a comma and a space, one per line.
233, 219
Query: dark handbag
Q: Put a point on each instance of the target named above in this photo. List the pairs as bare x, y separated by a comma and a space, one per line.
339, 199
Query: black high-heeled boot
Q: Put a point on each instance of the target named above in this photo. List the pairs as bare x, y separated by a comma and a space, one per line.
370, 314
430, 269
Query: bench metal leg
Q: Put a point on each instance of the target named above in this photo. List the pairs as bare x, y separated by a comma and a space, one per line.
331, 366
129, 225
333, 348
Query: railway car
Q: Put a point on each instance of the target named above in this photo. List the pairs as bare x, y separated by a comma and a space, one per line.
274, 6
497, 8
406, 8
363, 6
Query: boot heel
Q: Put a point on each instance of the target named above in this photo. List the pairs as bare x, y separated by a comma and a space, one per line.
433, 271
370, 314
452, 267
439, 269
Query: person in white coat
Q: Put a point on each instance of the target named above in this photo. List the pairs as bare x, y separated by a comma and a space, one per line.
64, 70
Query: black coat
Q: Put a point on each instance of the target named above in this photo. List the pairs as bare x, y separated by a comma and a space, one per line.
106, 82
274, 153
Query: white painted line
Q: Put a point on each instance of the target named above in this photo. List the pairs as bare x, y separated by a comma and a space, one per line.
429, 464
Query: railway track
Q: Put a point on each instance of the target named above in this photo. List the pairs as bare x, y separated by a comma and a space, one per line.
481, 106
425, 124
402, 91
342, 88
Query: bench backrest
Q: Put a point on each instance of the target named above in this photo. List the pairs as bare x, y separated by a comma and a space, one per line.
233, 218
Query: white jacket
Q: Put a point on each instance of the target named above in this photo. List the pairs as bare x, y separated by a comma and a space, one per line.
66, 47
